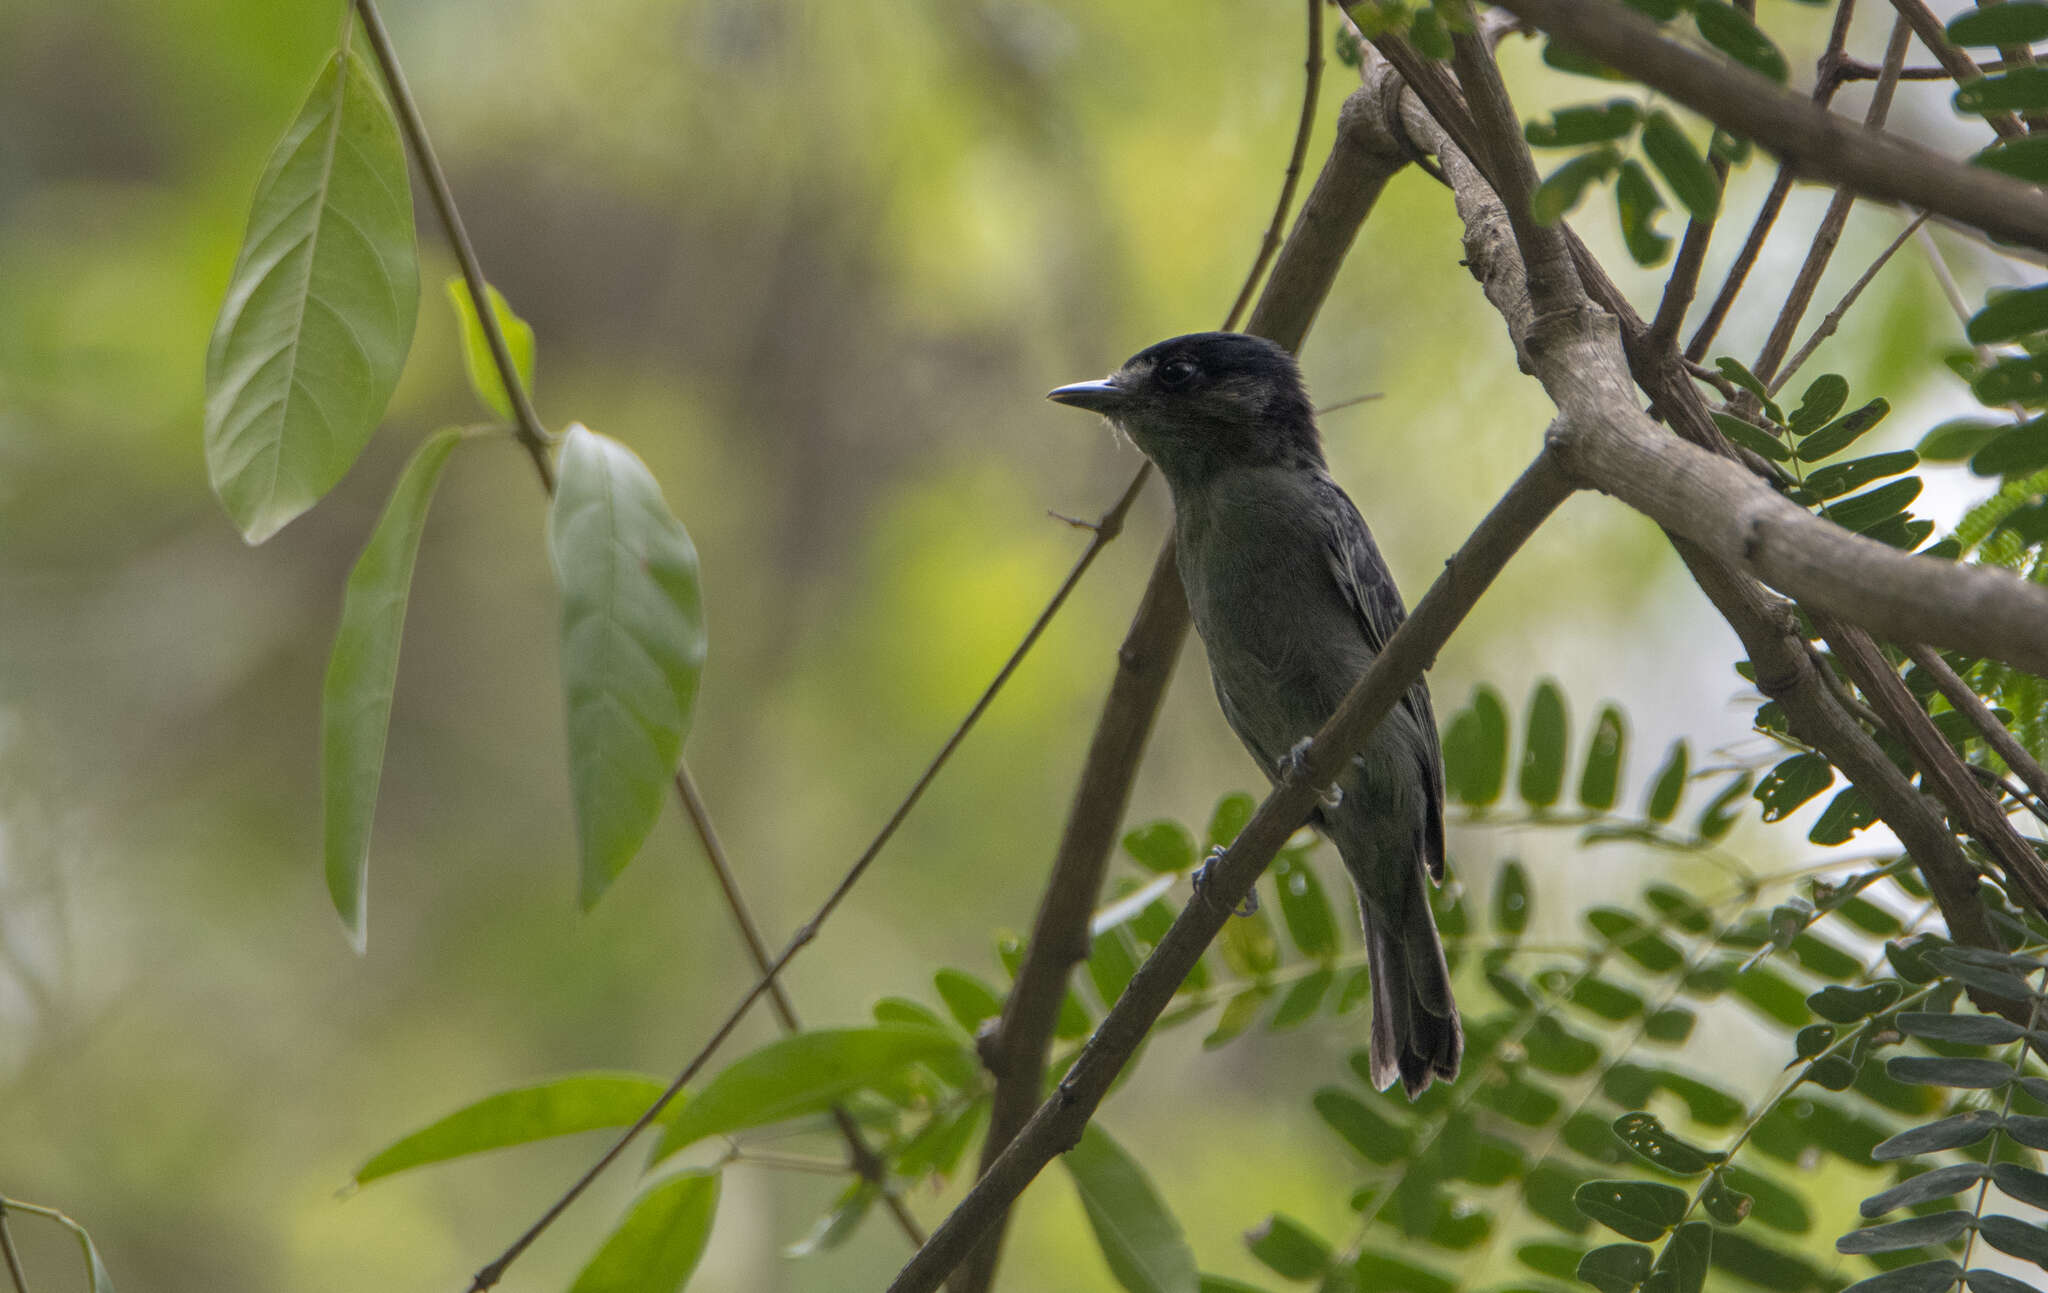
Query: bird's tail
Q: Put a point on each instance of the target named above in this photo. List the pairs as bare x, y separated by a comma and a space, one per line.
1416, 1036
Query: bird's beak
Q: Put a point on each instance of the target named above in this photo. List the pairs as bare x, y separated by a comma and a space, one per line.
1104, 397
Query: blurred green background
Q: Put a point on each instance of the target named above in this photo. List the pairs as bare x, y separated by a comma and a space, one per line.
816, 262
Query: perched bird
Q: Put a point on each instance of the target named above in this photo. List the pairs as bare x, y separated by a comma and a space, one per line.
1293, 601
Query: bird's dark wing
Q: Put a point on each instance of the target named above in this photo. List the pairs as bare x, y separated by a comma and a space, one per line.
1362, 575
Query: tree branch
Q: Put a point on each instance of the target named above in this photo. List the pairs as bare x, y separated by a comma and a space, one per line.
1959, 66
1057, 1125
1966, 701
1362, 159
1814, 142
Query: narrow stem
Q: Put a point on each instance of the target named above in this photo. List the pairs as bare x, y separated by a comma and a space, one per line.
1269, 245
1830, 324
14, 1270
1964, 698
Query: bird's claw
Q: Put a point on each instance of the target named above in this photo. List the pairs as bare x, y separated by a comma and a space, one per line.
1200, 880
1294, 765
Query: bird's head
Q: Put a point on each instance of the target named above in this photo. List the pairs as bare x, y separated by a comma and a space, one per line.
1207, 403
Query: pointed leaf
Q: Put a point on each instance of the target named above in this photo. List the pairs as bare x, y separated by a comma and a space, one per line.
1140, 1239
632, 646
1669, 785
320, 307
656, 1248
355, 703
476, 348
804, 1073
1690, 178
1734, 371
838, 1224
1724, 809
563, 1107
1543, 747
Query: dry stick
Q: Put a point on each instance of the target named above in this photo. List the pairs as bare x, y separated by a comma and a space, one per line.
14, 1270
534, 437
1829, 234
1833, 320
1350, 182
1784, 662
1104, 531
1827, 79
1816, 143
1058, 1123
1965, 699
1959, 66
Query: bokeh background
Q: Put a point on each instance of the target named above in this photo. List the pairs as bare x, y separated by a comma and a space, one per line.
816, 262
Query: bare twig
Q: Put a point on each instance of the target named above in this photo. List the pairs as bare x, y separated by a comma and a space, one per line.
1269, 242
1833, 320
1817, 143
1957, 64
1966, 701
1359, 166
14, 1270
1057, 1125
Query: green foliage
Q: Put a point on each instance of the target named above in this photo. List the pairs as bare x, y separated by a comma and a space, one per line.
355, 704
632, 646
1138, 1235
477, 360
659, 1242
319, 310
562, 1107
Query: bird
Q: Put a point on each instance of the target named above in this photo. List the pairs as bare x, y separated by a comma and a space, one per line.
1293, 601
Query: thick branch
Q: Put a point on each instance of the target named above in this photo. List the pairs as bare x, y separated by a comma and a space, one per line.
1959, 65
1816, 143
1057, 1125
1361, 162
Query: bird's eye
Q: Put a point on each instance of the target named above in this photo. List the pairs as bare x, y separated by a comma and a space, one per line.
1176, 373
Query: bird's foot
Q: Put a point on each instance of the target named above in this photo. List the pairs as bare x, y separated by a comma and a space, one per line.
1294, 764
1200, 880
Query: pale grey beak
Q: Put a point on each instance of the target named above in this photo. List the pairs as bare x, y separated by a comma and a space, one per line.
1104, 397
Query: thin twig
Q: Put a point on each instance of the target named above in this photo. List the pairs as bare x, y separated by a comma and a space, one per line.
1269, 244
1965, 700
1833, 320
14, 1270
1958, 65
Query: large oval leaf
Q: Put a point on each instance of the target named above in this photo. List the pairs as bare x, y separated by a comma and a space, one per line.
803, 1074
1140, 1239
320, 308
632, 646
657, 1247
355, 705
581, 1102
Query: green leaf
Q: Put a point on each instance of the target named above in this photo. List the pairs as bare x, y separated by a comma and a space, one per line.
1690, 178
355, 703
1238, 1014
1669, 785
1640, 1210
2014, 451
1250, 947
1841, 477
1232, 812
1543, 747
1140, 1239
632, 646
1301, 1000
476, 348
2013, 381
1989, 1281
1921, 1277
1847, 813
1638, 204
1683, 1266
1733, 369
1603, 759
1724, 1203
1616, 1268
1840, 1005
1112, 962
1722, 811
2023, 1184
1727, 30
1561, 190
969, 1000
1960, 438
1926, 1187
2016, 1238
1752, 437
1793, 782
1952, 1132
563, 1107
1873, 505
1566, 59
1823, 399
1288, 1248
2015, 23
320, 307
1644, 1134
1363, 1127
1971, 1030
1635, 940
2024, 158
1303, 905
1592, 123
801, 1074
1161, 846
1842, 432
1672, 1025
657, 1247
838, 1224
1476, 749
902, 1010
1511, 899
1914, 1232
2012, 314
2023, 89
